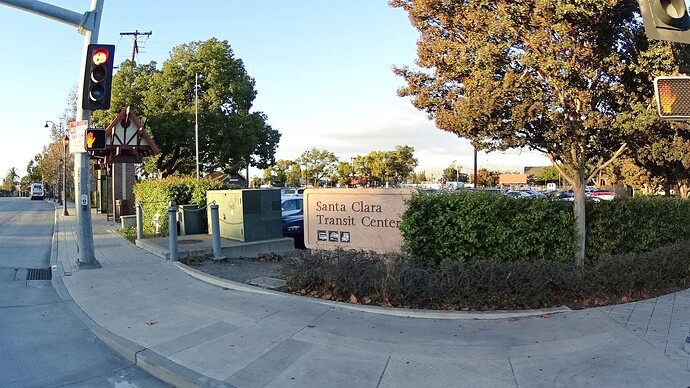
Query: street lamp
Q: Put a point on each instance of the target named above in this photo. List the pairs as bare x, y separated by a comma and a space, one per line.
65, 145
60, 163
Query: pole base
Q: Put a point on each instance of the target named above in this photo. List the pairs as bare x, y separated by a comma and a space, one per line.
94, 265
65, 212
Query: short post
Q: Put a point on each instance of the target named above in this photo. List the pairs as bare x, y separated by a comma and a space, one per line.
215, 232
172, 231
140, 221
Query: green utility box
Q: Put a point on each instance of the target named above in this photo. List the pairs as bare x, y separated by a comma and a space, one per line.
247, 215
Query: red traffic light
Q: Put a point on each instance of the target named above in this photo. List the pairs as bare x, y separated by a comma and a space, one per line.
98, 74
100, 56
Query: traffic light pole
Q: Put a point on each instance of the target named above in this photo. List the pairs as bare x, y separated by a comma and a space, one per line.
87, 258
88, 24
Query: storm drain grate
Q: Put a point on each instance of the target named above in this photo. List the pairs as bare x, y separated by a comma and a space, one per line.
39, 274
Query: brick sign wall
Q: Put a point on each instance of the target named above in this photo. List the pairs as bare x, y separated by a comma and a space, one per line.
367, 219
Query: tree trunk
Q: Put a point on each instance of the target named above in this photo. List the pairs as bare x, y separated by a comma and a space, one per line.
579, 199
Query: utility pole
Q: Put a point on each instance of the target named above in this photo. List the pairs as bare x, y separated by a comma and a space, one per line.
135, 45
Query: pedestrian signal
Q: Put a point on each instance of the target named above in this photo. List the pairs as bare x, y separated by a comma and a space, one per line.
673, 97
94, 139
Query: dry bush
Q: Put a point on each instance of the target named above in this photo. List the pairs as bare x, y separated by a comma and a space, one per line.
400, 280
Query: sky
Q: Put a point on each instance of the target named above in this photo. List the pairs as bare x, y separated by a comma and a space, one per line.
323, 73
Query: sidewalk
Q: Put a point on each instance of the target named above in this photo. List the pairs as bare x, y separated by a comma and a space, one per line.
191, 333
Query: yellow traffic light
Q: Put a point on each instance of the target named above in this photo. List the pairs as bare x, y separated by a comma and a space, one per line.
673, 97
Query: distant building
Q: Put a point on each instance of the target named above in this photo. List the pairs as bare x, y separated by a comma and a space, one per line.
234, 180
512, 179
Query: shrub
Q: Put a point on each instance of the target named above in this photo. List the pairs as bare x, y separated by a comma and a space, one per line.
155, 197
400, 280
467, 226
635, 224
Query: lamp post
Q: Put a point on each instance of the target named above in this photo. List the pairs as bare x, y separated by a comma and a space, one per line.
65, 144
59, 177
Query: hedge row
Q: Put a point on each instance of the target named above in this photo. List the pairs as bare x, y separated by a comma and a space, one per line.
155, 196
398, 280
472, 226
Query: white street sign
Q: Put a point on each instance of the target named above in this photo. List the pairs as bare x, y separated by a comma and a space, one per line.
76, 136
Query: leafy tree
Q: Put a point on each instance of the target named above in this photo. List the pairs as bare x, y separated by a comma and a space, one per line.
362, 167
401, 163
452, 173
279, 174
32, 173
377, 165
487, 178
230, 136
318, 164
344, 172
419, 177
625, 170
547, 174
10, 180
665, 155
381, 167
569, 78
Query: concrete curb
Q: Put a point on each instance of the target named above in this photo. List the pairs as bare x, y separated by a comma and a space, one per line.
392, 311
144, 358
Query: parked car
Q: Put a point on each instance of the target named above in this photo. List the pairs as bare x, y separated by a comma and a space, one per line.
293, 226
290, 205
291, 191
518, 194
604, 195
533, 193
564, 196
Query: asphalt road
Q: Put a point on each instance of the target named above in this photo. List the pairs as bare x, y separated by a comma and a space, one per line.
42, 343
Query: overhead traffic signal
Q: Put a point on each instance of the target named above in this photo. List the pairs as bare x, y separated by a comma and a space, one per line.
673, 97
98, 76
666, 20
94, 139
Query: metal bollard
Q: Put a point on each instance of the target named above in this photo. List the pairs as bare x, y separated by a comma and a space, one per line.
140, 221
172, 232
215, 232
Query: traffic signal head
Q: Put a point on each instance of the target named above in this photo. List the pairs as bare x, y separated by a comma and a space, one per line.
666, 20
98, 76
94, 139
673, 97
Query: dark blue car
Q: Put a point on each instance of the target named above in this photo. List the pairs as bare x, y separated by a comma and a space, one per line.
293, 226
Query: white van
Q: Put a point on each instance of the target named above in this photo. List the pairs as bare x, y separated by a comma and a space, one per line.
37, 191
